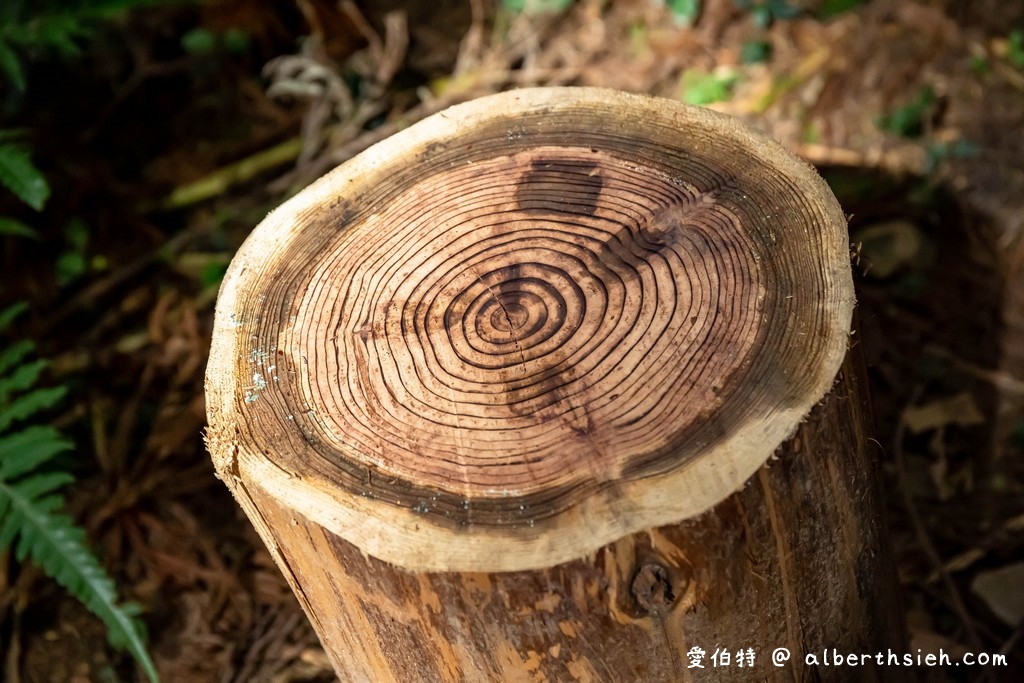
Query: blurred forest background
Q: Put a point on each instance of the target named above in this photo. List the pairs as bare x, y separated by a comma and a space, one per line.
141, 141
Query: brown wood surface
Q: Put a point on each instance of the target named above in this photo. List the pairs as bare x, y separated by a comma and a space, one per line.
479, 388
528, 326
797, 559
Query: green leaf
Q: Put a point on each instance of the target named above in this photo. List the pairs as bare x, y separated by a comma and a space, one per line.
20, 176
14, 354
755, 51
764, 12
53, 542
199, 41
21, 379
36, 487
212, 274
10, 226
77, 233
57, 27
762, 16
29, 404
1015, 49
30, 500
62, 33
908, 121
781, 9
10, 313
702, 88
832, 8
28, 449
236, 40
684, 11
70, 265
10, 65
980, 65
537, 6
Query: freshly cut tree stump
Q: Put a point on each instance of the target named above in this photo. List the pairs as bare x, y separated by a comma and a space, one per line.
479, 387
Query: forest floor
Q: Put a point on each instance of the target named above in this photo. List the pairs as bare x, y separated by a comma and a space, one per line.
180, 127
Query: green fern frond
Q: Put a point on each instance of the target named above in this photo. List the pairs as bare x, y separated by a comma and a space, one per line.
8, 315
12, 355
23, 377
60, 27
11, 226
52, 541
19, 175
29, 404
34, 445
10, 66
30, 502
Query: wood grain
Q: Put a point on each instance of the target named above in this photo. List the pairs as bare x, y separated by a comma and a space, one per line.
529, 326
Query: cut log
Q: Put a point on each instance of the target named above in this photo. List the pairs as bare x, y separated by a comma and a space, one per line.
479, 387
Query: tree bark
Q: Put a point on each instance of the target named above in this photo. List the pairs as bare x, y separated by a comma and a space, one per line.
797, 559
487, 391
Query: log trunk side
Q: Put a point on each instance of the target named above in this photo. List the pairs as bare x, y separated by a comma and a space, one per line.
797, 559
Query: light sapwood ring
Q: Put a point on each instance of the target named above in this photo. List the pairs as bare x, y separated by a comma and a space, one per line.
527, 326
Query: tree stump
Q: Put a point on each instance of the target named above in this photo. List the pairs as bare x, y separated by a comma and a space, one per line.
479, 387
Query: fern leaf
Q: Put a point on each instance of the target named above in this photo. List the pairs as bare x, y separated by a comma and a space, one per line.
29, 404
19, 175
62, 33
37, 486
59, 27
14, 354
10, 65
30, 501
11, 312
11, 226
26, 450
21, 379
12, 524
53, 542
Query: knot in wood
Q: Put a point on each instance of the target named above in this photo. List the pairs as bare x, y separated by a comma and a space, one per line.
652, 588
